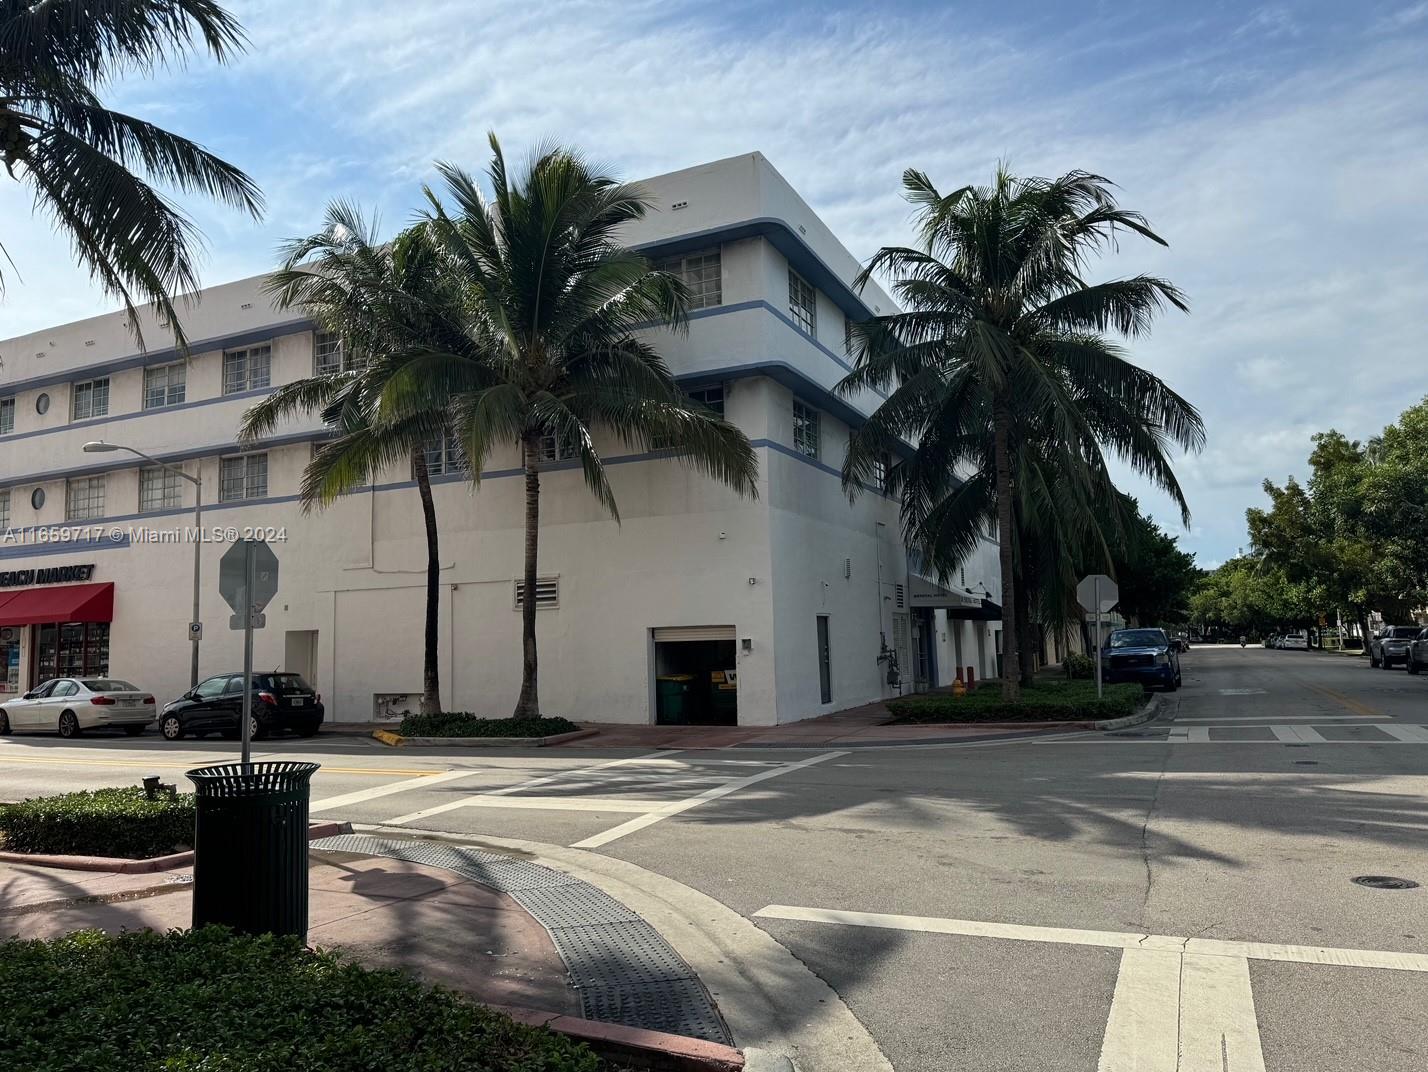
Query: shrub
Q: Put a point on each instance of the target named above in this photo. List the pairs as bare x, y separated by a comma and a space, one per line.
1079, 665
212, 1001
466, 724
1049, 701
100, 822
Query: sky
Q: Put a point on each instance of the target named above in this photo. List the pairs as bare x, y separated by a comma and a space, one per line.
1281, 150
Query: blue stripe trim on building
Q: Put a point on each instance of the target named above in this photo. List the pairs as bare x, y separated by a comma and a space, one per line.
62, 547
261, 392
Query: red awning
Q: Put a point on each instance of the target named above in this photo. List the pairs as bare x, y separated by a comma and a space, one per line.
63, 603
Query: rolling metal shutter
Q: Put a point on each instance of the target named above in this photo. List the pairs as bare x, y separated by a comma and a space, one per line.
694, 632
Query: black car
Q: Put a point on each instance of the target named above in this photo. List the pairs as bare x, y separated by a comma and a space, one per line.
280, 702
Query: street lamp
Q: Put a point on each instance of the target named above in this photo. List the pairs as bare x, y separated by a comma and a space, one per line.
100, 447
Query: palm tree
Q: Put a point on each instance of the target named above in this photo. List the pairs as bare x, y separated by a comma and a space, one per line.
552, 354
85, 162
1001, 372
385, 303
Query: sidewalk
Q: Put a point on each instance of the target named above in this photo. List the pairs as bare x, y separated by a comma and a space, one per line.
384, 912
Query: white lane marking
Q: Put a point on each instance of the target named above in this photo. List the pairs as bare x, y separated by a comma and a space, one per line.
1251, 720
1020, 932
679, 806
1218, 1029
572, 803
418, 782
652, 758
1299, 734
1412, 734
1242, 692
1142, 1033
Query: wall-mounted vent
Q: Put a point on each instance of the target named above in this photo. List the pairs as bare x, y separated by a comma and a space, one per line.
679, 205
901, 597
246, 305
847, 568
547, 592
88, 342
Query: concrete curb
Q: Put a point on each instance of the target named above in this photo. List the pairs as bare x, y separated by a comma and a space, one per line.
119, 866
644, 1049
1145, 714
396, 740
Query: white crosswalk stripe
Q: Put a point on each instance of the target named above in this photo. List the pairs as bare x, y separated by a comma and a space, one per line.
1247, 732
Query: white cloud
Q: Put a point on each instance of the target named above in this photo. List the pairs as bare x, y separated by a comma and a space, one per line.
1287, 178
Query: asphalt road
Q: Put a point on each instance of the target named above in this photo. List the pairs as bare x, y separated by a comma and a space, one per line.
1173, 896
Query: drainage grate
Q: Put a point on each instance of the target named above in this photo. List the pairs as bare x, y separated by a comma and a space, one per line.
623, 970
1386, 882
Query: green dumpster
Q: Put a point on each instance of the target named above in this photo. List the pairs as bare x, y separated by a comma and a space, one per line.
672, 698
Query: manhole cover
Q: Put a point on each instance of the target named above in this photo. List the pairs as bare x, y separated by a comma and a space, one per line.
1386, 882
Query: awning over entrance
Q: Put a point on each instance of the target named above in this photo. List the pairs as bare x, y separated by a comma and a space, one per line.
64, 603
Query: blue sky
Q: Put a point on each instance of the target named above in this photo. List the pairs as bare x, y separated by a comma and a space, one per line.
1282, 150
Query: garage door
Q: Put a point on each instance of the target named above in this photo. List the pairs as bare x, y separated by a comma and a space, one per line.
694, 632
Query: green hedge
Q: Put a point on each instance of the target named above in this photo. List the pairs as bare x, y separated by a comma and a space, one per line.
102, 822
1079, 666
1045, 701
208, 1001
466, 724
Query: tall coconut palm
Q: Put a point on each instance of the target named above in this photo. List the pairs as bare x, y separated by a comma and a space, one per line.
388, 305
92, 169
555, 349
1001, 363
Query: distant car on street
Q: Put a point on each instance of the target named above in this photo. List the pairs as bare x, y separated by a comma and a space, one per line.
280, 702
70, 705
1298, 641
1389, 646
1141, 655
1271, 640
1418, 652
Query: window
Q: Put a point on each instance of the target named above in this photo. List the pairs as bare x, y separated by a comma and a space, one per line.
84, 498
329, 355
881, 465
802, 303
701, 273
556, 448
444, 457
4, 514
710, 398
91, 399
247, 370
244, 476
805, 429
7, 416
547, 592
164, 386
158, 489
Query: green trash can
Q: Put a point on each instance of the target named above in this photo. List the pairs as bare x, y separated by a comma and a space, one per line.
672, 698
250, 846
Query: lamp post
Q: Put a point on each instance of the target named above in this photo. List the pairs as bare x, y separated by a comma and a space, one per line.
100, 447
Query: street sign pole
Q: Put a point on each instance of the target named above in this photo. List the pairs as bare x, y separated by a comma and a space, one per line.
247, 655
1098, 637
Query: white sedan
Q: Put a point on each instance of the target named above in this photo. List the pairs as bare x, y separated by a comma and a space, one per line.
71, 705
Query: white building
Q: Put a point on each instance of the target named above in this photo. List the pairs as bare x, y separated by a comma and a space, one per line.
796, 591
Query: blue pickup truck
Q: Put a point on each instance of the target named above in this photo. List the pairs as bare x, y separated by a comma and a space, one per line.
1145, 656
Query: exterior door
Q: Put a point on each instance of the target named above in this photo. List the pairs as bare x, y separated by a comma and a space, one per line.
825, 662
27, 713
59, 698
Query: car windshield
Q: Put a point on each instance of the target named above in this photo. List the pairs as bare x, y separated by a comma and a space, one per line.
1138, 638
281, 683
108, 684
1402, 632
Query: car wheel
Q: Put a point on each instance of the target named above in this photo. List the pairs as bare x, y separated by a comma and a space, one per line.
133, 731
1373, 661
1412, 665
256, 729
171, 727
1172, 685
1385, 664
69, 725
4, 723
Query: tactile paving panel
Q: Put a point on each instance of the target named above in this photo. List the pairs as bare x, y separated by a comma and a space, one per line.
574, 906
624, 971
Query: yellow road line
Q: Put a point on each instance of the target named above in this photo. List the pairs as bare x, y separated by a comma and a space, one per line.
147, 764
1346, 701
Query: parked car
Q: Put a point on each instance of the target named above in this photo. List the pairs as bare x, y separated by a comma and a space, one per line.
1269, 641
1298, 641
1179, 643
71, 705
1418, 652
1142, 655
280, 702
1389, 646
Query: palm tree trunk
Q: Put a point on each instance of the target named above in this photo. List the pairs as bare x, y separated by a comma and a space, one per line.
430, 675
1011, 650
528, 706
1026, 641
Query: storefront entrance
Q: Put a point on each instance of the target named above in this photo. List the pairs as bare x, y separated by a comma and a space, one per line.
69, 649
696, 678
50, 631
9, 660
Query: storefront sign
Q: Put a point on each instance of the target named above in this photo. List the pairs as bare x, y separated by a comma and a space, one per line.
21, 578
